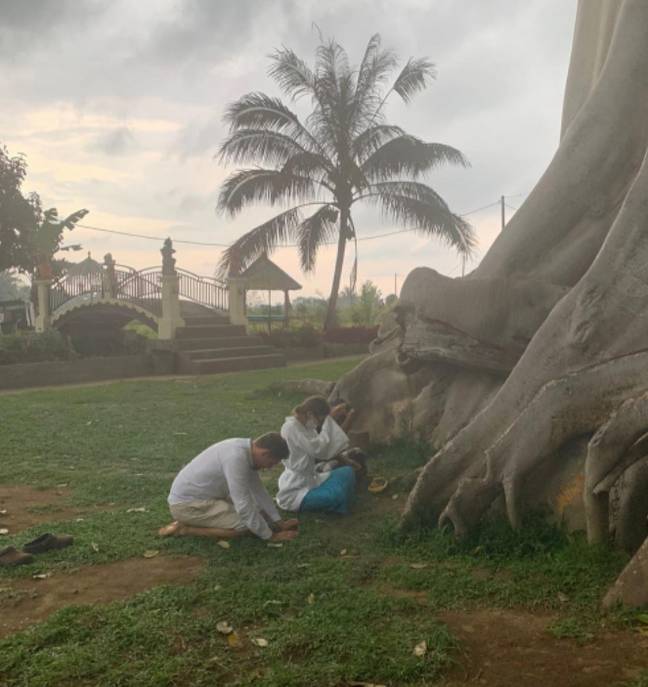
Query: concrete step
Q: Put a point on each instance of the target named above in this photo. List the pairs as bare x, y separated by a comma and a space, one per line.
238, 351
209, 331
190, 309
220, 342
254, 362
208, 320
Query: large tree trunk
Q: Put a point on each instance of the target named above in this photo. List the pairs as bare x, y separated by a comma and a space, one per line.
529, 374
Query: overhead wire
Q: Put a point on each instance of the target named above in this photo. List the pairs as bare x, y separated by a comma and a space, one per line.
288, 245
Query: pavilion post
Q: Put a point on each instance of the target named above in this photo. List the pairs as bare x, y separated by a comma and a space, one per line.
286, 309
237, 309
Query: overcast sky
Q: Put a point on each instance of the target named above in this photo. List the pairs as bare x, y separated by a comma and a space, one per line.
117, 106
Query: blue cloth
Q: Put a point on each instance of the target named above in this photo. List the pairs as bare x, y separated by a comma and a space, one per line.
334, 495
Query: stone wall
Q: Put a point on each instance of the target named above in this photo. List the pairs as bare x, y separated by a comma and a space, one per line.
77, 371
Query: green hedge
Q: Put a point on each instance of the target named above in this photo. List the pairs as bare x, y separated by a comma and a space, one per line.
302, 337
33, 348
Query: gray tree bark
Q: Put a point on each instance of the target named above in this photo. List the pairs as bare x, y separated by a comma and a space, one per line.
529, 375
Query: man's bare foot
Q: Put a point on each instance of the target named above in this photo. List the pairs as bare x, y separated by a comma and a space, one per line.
284, 535
170, 530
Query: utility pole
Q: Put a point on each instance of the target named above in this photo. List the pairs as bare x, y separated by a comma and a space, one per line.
395, 285
463, 265
503, 206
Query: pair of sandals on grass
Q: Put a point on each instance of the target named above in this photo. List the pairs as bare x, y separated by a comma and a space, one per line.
10, 556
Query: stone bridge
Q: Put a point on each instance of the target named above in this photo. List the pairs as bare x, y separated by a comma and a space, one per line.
203, 319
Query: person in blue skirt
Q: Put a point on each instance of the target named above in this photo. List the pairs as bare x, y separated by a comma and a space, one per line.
314, 438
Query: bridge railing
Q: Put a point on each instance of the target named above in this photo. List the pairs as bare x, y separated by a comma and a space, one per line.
204, 290
140, 286
71, 286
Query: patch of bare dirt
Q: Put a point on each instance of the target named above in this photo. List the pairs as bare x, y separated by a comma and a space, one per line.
27, 506
24, 602
505, 647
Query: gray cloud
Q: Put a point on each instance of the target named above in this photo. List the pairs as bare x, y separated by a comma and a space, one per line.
119, 141
30, 26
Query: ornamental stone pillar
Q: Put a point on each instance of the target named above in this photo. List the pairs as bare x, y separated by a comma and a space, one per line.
171, 318
44, 317
237, 310
109, 277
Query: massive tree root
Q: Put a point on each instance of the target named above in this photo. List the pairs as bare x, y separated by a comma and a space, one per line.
544, 345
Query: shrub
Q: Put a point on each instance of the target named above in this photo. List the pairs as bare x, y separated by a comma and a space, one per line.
33, 347
351, 335
302, 337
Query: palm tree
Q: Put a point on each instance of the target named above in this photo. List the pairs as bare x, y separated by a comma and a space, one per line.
342, 153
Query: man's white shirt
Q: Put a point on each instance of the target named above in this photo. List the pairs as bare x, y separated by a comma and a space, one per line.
225, 471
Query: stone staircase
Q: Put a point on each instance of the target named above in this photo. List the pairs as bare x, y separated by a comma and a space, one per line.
208, 343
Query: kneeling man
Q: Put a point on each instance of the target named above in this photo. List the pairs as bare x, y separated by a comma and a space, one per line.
219, 493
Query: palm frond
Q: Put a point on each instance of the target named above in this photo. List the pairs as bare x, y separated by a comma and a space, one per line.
373, 138
414, 77
334, 89
425, 211
294, 76
249, 145
262, 185
259, 111
261, 239
313, 232
403, 187
312, 165
73, 219
411, 156
375, 66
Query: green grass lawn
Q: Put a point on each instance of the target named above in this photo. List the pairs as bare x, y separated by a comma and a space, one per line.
329, 619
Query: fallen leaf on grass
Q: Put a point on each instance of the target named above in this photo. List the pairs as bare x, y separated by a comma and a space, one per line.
3, 511
141, 509
420, 649
94, 547
234, 641
378, 485
80, 520
311, 599
217, 587
419, 566
41, 576
272, 545
343, 552
151, 553
224, 627
303, 565
259, 641
563, 598
395, 497
272, 602
4, 530
223, 544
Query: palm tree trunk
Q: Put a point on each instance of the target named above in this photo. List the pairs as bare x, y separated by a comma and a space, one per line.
331, 318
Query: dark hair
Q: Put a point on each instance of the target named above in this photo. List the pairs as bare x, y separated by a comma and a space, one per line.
275, 443
317, 405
